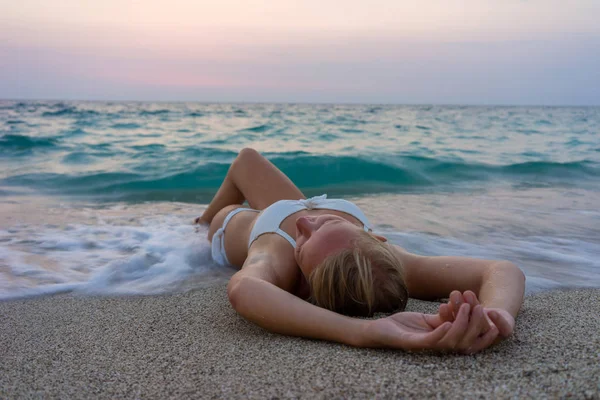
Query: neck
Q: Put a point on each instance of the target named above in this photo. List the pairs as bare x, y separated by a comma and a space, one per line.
302, 287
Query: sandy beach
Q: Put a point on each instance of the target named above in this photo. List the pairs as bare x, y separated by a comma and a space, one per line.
193, 345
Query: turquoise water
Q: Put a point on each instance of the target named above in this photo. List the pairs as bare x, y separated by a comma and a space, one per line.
97, 197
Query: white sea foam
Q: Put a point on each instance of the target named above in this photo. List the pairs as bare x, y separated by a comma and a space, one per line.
154, 254
153, 248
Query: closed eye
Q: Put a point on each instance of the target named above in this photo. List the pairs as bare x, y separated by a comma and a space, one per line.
331, 221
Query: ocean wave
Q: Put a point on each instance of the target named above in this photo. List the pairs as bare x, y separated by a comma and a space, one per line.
61, 112
149, 147
553, 170
258, 128
78, 158
15, 122
126, 125
153, 112
23, 142
340, 174
64, 110
351, 130
68, 184
345, 120
75, 132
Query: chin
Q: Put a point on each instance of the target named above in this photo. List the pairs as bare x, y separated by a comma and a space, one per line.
304, 271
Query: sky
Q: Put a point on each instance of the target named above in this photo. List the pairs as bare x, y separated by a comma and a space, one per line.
530, 52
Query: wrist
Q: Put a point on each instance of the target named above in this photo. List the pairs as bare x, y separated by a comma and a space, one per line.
370, 334
360, 334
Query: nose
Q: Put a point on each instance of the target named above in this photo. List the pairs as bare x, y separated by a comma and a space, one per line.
306, 225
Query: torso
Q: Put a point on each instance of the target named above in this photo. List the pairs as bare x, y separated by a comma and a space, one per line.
238, 233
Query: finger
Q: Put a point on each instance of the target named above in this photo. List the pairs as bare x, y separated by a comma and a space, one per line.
487, 321
484, 341
457, 331
474, 330
471, 298
456, 301
434, 337
505, 328
426, 341
433, 320
450, 309
445, 313
201, 221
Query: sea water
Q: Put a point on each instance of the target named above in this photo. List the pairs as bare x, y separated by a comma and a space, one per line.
98, 197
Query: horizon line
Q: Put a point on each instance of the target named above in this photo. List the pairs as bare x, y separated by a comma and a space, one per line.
309, 103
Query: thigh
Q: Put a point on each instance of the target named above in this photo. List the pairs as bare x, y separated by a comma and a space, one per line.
261, 182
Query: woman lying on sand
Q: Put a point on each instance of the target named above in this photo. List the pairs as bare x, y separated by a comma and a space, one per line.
307, 266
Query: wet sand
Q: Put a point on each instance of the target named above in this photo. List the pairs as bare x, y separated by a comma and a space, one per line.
193, 345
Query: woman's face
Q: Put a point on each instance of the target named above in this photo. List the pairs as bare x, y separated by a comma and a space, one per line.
319, 236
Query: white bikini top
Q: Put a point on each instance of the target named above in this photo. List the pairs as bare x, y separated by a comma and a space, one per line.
271, 217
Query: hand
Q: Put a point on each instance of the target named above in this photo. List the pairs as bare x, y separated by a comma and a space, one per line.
201, 221
415, 331
448, 311
501, 318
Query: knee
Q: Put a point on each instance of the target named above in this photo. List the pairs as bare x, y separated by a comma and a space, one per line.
248, 152
247, 156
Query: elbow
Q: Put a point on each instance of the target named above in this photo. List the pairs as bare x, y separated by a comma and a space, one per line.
238, 288
516, 271
233, 291
508, 268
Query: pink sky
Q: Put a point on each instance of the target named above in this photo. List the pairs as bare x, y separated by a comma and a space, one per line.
443, 51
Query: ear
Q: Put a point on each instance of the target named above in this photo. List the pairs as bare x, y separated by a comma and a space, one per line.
379, 237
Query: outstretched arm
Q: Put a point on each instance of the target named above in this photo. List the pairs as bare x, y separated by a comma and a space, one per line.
278, 311
497, 284
255, 294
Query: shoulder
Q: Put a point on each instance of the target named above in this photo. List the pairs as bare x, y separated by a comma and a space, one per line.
270, 257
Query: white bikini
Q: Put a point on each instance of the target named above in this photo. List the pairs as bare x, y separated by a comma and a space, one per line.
272, 217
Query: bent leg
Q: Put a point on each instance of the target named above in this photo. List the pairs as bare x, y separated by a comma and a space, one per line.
253, 178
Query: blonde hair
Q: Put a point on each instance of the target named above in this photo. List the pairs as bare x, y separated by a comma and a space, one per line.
361, 280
